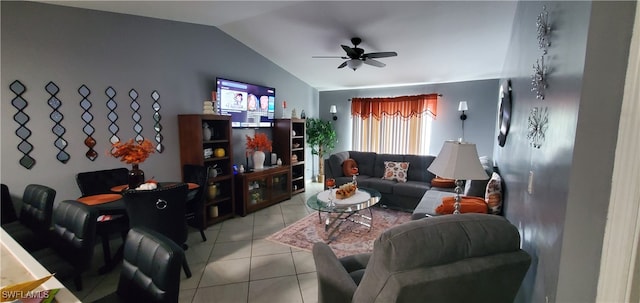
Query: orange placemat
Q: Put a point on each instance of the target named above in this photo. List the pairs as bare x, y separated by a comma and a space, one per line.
119, 188
100, 199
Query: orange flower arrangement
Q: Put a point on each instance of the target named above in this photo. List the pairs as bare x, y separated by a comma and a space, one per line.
132, 152
258, 142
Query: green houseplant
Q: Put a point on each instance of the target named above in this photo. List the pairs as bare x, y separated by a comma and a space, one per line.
322, 138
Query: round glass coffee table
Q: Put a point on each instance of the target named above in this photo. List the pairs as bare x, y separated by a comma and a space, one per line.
337, 211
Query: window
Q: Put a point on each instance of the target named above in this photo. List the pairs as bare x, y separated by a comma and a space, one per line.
400, 125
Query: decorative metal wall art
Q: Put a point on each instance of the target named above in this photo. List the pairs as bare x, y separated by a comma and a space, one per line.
22, 118
156, 118
112, 116
56, 116
539, 78
135, 106
540, 70
87, 117
538, 124
544, 30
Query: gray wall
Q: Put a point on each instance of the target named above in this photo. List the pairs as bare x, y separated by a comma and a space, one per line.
481, 96
562, 221
42, 43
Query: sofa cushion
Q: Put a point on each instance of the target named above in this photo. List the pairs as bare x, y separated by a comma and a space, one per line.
395, 171
493, 194
411, 188
335, 163
379, 168
366, 162
381, 185
467, 205
477, 188
418, 168
348, 166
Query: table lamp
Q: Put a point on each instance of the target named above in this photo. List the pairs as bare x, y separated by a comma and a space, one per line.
459, 161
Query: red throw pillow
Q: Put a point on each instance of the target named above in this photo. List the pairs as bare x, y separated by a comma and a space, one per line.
347, 167
468, 204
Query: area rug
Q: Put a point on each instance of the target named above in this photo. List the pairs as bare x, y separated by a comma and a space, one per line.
351, 238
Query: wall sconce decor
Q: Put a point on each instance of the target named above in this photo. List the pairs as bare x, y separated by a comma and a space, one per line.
539, 78
333, 110
462, 107
544, 30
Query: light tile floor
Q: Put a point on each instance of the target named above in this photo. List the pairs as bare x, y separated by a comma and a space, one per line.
236, 263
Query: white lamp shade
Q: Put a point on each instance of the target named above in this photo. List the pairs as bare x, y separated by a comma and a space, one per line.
354, 63
463, 106
458, 160
333, 109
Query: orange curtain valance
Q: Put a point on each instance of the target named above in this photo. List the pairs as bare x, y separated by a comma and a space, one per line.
404, 106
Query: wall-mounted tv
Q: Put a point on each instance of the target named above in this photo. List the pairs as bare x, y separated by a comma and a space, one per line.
249, 105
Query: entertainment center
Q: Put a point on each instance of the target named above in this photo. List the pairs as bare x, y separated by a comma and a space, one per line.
243, 106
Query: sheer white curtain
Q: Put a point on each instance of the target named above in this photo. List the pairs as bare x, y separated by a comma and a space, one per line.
393, 134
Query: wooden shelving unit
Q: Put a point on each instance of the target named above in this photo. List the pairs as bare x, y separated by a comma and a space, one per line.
289, 136
192, 147
259, 189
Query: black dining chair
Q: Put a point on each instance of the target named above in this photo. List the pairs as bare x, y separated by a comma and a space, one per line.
72, 241
150, 269
8, 209
196, 174
34, 222
99, 182
163, 210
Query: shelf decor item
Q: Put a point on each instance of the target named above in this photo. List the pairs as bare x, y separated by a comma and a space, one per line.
133, 152
257, 146
206, 132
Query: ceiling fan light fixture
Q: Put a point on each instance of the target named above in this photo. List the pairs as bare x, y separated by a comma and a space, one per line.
354, 64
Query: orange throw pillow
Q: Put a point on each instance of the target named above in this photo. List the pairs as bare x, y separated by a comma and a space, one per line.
468, 204
347, 167
443, 182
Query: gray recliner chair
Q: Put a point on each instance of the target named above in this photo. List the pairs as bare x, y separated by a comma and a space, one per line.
451, 258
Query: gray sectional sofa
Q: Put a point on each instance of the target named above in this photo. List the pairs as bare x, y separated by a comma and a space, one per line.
397, 195
416, 195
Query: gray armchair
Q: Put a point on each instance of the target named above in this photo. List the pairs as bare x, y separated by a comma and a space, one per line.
451, 258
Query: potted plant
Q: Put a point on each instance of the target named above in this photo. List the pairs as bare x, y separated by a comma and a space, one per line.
322, 138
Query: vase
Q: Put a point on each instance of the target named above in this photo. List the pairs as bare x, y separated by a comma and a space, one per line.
212, 191
206, 132
136, 177
258, 159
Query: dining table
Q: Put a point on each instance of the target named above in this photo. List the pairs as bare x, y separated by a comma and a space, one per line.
110, 207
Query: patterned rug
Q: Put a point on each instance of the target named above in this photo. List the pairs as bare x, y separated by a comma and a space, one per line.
351, 238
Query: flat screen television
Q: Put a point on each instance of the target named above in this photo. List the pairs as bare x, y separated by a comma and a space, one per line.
249, 105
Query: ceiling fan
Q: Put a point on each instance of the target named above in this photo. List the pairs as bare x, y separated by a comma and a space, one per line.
356, 56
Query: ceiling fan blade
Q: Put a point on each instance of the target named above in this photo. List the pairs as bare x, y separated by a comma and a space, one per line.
343, 64
352, 53
373, 62
330, 57
380, 55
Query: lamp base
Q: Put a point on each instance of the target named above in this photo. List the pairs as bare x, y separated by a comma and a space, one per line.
457, 199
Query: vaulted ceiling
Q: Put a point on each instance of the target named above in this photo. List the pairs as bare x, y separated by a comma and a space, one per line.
436, 41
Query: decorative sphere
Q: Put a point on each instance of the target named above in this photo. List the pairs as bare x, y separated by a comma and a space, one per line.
219, 152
